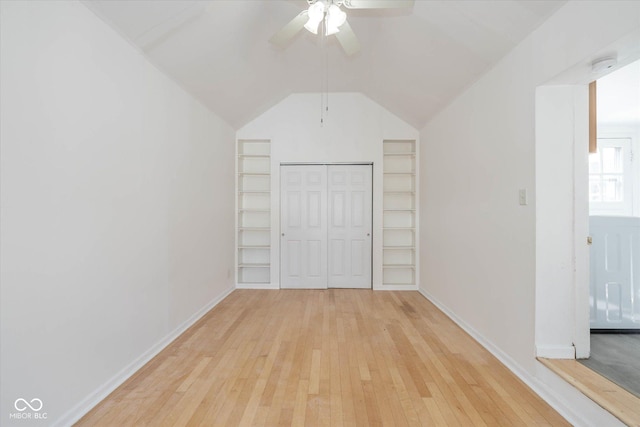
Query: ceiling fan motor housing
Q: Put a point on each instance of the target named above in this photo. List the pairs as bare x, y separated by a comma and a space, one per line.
335, 19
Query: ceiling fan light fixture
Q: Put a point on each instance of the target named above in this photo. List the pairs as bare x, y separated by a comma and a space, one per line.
332, 17
316, 15
335, 17
316, 11
312, 26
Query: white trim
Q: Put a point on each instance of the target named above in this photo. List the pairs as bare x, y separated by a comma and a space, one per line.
380, 287
581, 337
561, 217
548, 394
257, 286
556, 351
326, 163
376, 287
85, 405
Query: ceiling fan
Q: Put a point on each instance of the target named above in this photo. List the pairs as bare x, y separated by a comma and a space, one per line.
327, 18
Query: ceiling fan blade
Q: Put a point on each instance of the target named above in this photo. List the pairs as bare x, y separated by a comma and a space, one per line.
377, 4
348, 40
290, 30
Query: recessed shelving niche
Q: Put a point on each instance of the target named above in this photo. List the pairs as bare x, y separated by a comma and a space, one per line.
399, 213
254, 212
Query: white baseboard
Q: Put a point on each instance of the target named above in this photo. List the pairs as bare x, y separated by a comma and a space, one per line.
376, 287
545, 392
381, 287
257, 286
556, 351
81, 409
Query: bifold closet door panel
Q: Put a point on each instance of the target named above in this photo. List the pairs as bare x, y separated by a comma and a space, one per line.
349, 226
303, 228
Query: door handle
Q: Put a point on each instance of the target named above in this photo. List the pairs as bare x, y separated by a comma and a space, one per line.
368, 234
282, 234
589, 240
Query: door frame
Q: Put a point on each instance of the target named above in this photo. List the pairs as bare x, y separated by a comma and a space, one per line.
561, 222
325, 164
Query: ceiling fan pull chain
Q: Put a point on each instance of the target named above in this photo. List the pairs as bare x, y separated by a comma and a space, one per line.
326, 86
321, 106
324, 81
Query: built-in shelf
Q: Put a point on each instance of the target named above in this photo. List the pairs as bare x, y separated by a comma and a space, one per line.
399, 232
254, 211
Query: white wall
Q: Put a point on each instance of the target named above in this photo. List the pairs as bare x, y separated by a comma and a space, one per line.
353, 131
478, 244
117, 208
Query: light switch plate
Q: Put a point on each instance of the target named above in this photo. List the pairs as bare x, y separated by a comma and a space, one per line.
522, 196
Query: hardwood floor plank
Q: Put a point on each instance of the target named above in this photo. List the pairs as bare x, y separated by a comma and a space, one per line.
323, 358
299, 410
622, 404
194, 374
444, 408
335, 384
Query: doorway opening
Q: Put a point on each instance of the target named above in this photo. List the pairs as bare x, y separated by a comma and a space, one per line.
563, 309
614, 227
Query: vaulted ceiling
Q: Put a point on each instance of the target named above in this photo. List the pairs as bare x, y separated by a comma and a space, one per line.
412, 61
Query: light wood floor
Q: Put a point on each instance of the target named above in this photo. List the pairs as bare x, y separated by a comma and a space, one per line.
622, 404
335, 357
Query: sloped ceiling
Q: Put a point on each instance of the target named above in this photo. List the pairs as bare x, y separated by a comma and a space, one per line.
412, 62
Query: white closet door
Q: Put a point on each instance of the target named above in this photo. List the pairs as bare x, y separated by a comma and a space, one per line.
349, 234
303, 255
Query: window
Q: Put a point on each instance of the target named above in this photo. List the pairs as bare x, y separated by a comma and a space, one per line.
611, 178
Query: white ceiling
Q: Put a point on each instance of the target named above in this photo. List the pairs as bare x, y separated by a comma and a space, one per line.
413, 61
